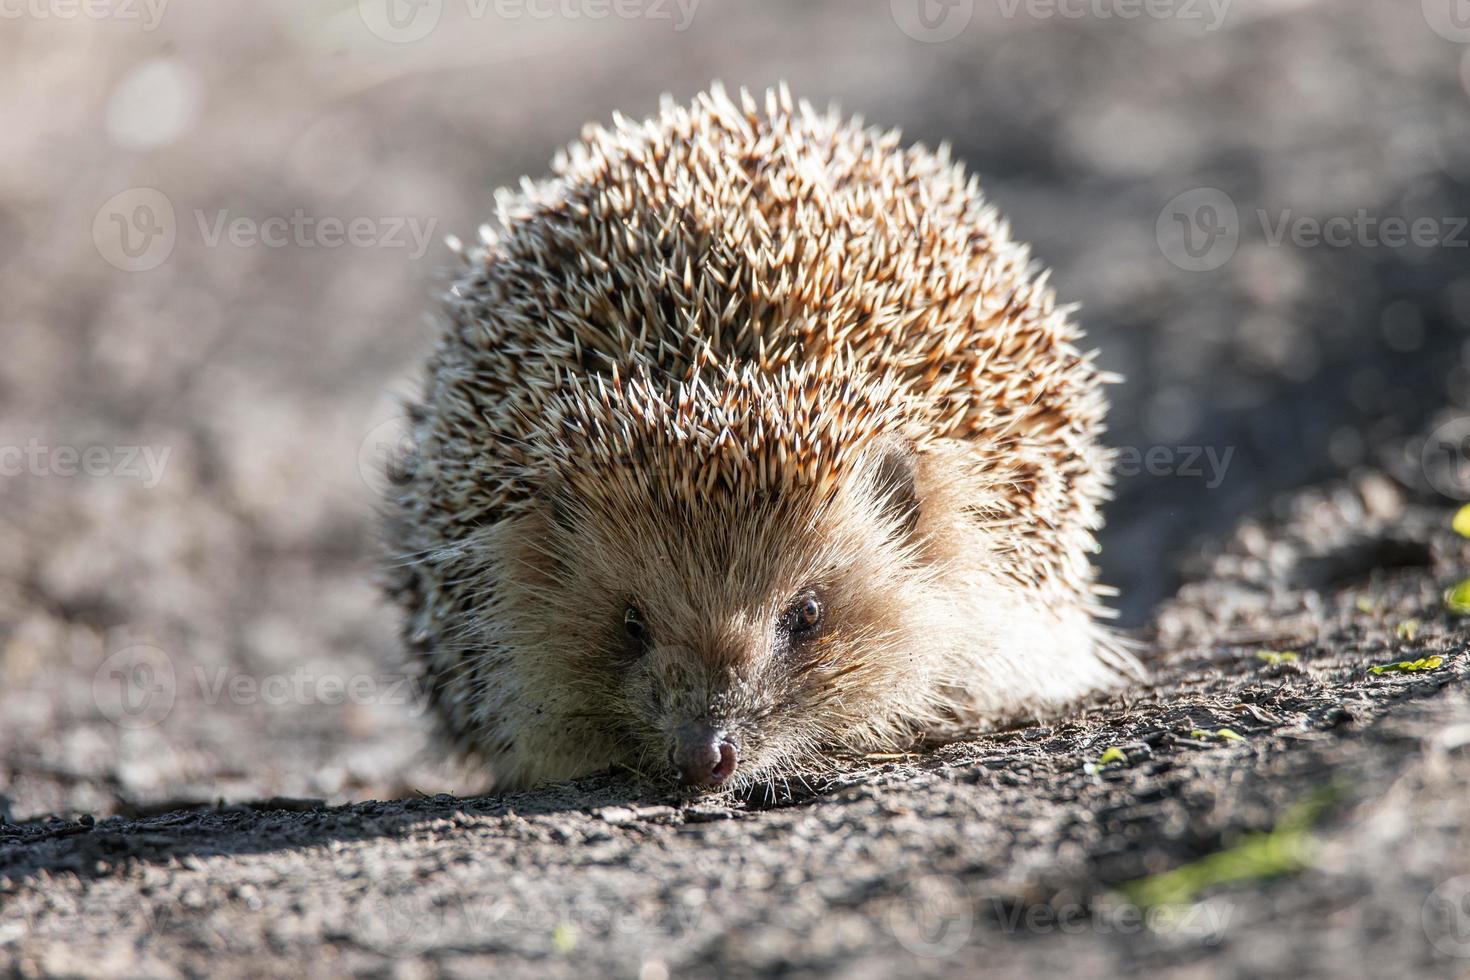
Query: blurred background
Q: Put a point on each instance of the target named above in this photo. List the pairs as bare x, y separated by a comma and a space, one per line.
221, 232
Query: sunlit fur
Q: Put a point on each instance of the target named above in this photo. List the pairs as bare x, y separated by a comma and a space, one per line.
720, 360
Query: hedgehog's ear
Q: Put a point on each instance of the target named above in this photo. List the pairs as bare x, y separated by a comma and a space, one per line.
893, 470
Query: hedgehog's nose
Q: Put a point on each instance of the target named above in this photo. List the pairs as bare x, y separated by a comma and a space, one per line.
703, 755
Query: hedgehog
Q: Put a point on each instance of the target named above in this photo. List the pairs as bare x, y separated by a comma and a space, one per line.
753, 441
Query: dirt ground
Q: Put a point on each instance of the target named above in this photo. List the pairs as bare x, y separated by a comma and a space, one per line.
211, 762
1335, 794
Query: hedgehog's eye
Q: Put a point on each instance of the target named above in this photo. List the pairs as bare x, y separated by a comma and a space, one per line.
635, 631
804, 617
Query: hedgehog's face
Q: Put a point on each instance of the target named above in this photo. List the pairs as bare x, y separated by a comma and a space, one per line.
716, 640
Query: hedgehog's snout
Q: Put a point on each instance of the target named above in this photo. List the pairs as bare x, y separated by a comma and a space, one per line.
703, 754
